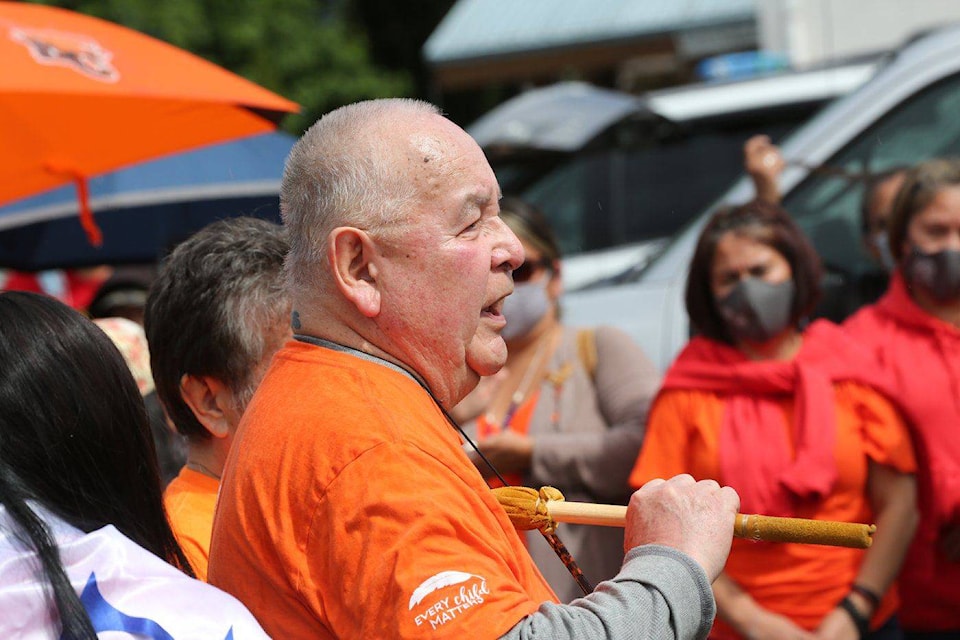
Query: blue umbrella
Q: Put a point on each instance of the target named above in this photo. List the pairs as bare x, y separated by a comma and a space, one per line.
146, 209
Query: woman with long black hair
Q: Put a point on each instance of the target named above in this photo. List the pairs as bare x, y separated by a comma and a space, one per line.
80, 496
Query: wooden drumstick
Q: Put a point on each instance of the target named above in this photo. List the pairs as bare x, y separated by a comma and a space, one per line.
544, 509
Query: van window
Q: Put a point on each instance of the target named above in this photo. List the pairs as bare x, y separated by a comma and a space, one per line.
644, 180
827, 207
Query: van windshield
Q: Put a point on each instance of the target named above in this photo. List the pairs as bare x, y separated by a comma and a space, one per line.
642, 180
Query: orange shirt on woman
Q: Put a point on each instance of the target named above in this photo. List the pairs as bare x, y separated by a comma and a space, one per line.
801, 582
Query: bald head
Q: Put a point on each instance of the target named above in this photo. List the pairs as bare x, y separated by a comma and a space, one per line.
397, 247
344, 171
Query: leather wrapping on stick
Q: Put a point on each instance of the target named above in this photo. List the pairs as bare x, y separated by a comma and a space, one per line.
825, 532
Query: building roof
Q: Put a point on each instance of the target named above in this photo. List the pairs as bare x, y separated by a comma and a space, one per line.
485, 28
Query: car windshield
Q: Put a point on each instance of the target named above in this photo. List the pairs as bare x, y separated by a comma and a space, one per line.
826, 204
643, 180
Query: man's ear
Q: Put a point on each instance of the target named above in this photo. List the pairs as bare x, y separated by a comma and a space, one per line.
209, 400
352, 253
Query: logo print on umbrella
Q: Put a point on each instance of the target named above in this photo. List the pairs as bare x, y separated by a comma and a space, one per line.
74, 51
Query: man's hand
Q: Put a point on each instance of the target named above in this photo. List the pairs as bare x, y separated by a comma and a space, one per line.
693, 517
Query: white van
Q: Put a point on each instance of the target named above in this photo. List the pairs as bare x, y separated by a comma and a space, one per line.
908, 112
618, 174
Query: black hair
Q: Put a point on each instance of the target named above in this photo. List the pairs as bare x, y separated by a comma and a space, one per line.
210, 309
74, 438
768, 224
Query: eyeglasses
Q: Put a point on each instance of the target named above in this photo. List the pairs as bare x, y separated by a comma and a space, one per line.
529, 267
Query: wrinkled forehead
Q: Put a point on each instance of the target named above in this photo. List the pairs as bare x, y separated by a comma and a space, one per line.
442, 157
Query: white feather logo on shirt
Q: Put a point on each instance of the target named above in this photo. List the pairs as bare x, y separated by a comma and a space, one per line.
439, 581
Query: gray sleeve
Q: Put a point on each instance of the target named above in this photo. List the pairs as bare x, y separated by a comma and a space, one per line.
659, 594
625, 383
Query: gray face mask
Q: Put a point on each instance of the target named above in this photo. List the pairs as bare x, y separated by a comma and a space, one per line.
936, 274
881, 244
757, 310
524, 308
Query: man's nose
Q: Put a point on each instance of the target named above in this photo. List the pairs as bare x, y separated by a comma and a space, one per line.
507, 252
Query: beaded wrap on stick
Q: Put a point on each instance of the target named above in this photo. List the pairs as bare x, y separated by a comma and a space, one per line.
544, 509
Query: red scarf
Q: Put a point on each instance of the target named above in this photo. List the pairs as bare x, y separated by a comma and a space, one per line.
923, 353
755, 451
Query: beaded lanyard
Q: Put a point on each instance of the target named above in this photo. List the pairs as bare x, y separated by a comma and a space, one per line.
556, 379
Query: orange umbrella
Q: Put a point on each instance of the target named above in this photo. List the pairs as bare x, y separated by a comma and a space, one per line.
80, 96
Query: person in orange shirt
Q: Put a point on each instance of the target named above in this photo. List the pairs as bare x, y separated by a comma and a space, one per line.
797, 422
214, 317
348, 507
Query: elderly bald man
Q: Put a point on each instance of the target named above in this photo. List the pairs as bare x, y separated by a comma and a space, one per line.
348, 507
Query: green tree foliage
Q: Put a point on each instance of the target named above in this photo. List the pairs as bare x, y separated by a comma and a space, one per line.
397, 32
305, 50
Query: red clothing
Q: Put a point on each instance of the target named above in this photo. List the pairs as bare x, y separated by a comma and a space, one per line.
348, 509
73, 288
801, 464
923, 355
684, 435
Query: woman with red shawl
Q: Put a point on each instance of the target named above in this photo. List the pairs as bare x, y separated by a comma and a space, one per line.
914, 330
794, 421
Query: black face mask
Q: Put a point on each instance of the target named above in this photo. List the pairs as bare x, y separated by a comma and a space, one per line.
757, 310
936, 274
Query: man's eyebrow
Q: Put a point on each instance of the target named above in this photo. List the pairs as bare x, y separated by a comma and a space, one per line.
478, 199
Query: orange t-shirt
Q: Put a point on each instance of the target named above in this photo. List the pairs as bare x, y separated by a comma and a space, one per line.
191, 499
350, 510
801, 582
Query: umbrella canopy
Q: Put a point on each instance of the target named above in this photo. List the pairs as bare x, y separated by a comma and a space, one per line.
80, 96
146, 209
